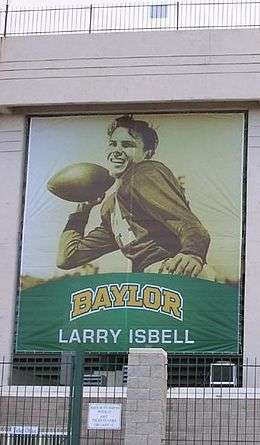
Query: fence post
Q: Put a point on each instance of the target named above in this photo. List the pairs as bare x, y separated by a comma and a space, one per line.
6, 16
90, 18
75, 409
146, 397
5, 371
177, 15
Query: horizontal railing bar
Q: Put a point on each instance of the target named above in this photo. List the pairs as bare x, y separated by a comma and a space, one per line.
134, 6
218, 3
50, 9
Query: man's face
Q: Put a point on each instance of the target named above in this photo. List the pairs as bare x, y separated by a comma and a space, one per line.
123, 150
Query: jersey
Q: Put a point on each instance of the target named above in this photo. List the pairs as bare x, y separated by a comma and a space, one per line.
147, 218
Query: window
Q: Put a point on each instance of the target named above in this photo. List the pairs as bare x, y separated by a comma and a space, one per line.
158, 11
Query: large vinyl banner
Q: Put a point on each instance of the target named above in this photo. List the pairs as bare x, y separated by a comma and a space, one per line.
132, 233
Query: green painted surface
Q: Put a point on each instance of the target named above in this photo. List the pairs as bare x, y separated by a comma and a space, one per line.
209, 317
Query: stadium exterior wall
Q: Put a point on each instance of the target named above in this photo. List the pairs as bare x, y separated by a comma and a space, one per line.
184, 71
142, 67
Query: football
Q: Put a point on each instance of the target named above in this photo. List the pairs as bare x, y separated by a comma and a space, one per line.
80, 182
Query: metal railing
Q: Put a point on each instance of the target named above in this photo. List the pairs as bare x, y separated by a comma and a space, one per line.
37, 392
138, 17
211, 399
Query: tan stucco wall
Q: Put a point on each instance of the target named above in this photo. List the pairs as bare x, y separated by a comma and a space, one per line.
12, 141
137, 67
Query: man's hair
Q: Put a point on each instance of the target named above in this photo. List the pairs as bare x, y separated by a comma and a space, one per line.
137, 128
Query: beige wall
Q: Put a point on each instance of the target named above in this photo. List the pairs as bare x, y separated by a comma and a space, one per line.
252, 287
12, 137
210, 67
136, 67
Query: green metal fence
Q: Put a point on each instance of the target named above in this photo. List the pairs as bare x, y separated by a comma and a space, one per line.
37, 408
211, 400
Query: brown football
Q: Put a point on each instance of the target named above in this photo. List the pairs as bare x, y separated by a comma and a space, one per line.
80, 182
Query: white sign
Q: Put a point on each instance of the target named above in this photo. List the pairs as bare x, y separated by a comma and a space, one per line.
104, 416
23, 429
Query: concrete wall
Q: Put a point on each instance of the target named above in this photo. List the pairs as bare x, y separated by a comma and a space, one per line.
201, 420
176, 70
252, 302
50, 414
130, 67
212, 421
12, 142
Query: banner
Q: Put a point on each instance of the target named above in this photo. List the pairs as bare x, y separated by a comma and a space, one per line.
132, 233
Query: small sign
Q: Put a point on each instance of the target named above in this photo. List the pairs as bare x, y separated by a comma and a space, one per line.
23, 429
104, 416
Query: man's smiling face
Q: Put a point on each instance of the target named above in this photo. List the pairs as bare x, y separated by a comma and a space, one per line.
123, 150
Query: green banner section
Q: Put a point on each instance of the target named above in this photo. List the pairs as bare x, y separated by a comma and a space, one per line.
114, 312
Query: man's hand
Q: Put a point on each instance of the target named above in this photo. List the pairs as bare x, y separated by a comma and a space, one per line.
182, 264
85, 207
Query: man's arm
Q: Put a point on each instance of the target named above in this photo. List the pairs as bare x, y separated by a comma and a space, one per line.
159, 193
76, 249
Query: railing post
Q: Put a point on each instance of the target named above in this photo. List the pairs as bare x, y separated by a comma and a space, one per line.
90, 18
177, 15
6, 16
